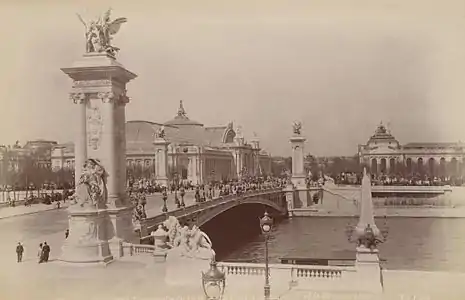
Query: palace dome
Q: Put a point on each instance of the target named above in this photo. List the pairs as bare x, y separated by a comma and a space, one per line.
181, 118
382, 135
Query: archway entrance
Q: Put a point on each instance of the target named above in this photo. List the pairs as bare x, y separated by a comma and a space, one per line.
392, 166
408, 162
420, 167
383, 166
442, 167
374, 166
432, 167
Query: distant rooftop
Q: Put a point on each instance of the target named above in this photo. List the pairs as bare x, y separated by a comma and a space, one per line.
181, 118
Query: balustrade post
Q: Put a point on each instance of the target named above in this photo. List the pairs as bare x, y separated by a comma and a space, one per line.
293, 281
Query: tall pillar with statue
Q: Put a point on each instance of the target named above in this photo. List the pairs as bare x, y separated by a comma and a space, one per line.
256, 155
297, 144
239, 153
161, 157
101, 218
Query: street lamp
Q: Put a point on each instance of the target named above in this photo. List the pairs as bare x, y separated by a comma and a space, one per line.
266, 224
213, 282
164, 197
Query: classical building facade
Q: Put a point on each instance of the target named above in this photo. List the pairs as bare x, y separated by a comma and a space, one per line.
383, 154
38, 151
195, 152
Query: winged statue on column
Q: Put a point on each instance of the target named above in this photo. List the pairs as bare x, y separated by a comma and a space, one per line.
99, 33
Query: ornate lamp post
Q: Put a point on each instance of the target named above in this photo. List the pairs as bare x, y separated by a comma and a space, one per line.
182, 193
213, 282
266, 224
164, 197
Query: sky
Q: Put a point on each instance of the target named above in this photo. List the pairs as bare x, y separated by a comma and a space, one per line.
340, 67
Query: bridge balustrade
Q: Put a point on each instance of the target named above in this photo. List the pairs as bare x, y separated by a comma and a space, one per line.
151, 222
253, 273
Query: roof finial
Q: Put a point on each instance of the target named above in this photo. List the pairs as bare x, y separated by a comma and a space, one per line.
181, 111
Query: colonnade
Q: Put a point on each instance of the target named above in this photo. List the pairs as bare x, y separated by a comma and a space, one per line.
431, 165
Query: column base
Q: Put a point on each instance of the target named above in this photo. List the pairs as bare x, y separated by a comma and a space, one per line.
163, 181
298, 181
369, 278
159, 256
122, 227
86, 244
116, 247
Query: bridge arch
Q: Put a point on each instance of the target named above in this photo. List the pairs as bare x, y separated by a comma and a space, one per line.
208, 215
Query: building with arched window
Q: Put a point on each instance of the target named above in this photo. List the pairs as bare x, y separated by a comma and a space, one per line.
383, 154
195, 152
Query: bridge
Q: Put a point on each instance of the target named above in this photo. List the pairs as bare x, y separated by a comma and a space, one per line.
202, 212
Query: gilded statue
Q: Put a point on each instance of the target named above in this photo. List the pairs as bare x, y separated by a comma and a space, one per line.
297, 127
91, 191
99, 33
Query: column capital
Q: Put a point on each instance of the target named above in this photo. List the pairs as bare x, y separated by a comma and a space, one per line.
111, 97
79, 98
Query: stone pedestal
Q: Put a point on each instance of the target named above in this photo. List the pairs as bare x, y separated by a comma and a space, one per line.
121, 229
369, 278
298, 171
161, 161
87, 242
184, 272
289, 192
160, 239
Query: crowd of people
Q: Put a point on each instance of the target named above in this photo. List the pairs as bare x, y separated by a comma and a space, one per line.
43, 253
351, 178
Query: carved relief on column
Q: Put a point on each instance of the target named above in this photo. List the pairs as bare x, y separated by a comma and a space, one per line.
95, 123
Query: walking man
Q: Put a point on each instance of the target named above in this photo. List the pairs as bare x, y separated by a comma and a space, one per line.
66, 233
19, 252
40, 253
46, 251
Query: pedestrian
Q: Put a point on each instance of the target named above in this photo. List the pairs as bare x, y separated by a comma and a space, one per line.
46, 251
40, 253
19, 252
66, 233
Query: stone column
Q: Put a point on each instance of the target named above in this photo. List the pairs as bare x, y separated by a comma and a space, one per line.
80, 140
110, 145
103, 81
161, 161
193, 169
298, 171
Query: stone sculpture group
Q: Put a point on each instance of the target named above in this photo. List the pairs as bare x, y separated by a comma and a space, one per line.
297, 127
183, 242
91, 191
99, 33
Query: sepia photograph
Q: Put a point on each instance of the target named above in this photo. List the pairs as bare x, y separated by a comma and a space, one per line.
232, 149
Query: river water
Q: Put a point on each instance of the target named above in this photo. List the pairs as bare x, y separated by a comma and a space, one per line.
430, 244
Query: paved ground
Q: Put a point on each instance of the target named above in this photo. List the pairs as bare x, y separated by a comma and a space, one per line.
39, 223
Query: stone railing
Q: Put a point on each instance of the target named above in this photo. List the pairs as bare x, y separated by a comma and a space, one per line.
152, 222
285, 273
133, 249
